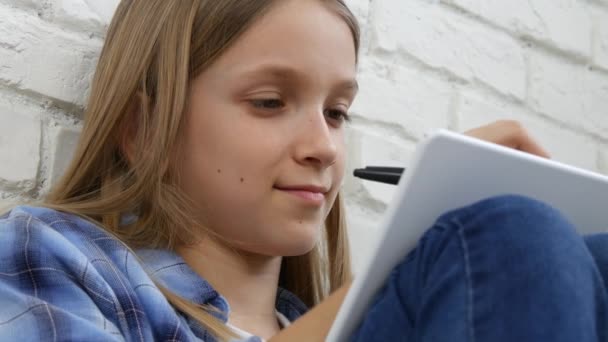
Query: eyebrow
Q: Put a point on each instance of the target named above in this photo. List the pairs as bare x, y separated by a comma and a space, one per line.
286, 72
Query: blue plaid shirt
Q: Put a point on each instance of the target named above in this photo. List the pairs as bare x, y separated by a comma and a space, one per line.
63, 278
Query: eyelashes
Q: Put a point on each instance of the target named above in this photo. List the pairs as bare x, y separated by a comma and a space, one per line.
272, 105
267, 103
342, 115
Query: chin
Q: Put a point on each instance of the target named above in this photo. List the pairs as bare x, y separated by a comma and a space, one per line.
298, 249
291, 244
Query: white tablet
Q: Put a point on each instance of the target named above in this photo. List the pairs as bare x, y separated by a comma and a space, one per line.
449, 171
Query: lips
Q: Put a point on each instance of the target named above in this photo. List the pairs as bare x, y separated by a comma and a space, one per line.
308, 188
310, 194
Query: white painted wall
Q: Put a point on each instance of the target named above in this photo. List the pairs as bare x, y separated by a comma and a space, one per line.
425, 64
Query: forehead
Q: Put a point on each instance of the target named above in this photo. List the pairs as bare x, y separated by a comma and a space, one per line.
303, 35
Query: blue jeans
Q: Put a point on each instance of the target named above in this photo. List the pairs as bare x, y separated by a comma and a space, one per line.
507, 268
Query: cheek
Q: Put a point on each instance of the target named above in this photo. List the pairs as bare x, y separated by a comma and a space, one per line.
337, 172
339, 166
213, 171
228, 164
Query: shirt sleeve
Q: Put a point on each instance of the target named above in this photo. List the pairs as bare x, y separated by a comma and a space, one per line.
46, 289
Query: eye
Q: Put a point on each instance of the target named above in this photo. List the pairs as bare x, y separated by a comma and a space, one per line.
337, 115
267, 103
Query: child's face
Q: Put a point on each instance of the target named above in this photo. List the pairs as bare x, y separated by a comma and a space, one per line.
265, 117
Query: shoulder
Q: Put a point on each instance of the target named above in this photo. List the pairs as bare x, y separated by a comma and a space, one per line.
41, 241
43, 237
68, 269
37, 235
38, 223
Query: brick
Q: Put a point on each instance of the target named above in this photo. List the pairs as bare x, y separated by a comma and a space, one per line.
405, 98
37, 57
76, 14
19, 150
103, 9
90, 16
366, 149
32, 5
600, 45
570, 93
64, 145
563, 145
445, 40
565, 24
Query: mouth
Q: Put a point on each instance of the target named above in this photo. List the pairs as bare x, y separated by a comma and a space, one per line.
308, 194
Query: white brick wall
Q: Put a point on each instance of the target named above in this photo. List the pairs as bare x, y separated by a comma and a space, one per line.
23, 136
600, 45
564, 24
424, 64
443, 39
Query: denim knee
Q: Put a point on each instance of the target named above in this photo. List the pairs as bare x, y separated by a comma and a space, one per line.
511, 214
515, 228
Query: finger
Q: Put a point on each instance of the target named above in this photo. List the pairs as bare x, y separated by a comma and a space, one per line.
509, 133
517, 137
527, 144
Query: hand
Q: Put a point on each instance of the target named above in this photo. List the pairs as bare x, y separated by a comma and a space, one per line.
511, 134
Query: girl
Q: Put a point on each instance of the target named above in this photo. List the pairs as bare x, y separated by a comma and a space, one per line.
203, 203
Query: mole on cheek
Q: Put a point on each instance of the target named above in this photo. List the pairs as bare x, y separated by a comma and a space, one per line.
242, 180
219, 171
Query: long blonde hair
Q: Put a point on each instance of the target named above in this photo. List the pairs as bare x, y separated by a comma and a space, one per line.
153, 50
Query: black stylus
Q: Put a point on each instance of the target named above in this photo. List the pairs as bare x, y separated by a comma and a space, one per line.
382, 174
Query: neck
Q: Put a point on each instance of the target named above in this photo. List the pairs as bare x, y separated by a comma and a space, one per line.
248, 281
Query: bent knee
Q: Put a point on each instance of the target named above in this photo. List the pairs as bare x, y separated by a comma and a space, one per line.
514, 224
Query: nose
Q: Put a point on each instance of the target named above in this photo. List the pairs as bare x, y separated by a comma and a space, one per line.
316, 142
